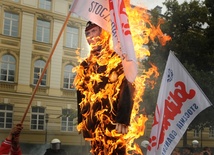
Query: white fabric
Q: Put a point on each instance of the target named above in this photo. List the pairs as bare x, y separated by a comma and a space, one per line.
180, 100
115, 21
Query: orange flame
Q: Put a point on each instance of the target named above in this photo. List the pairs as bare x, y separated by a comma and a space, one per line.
141, 34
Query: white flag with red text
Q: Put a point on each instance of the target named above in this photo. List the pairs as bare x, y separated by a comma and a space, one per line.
180, 100
111, 16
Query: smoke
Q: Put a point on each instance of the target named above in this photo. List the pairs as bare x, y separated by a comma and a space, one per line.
34, 149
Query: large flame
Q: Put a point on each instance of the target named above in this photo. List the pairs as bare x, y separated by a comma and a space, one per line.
142, 31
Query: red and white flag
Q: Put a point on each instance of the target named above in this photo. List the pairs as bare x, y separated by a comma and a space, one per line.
180, 100
111, 16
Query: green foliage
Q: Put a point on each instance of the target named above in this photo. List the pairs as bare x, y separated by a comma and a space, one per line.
191, 26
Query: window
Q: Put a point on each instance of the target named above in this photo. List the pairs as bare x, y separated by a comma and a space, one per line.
211, 132
67, 120
38, 118
38, 68
72, 37
7, 65
43, 31
11, 22
68, 77
6, 116
196, 132
45, 4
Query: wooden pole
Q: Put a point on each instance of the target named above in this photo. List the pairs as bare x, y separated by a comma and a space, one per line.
46, 65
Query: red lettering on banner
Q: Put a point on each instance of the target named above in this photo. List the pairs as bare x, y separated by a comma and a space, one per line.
155, 118
172, 107
110, 5
113, 24
125, 26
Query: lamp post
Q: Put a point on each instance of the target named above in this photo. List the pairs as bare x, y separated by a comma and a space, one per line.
46, 127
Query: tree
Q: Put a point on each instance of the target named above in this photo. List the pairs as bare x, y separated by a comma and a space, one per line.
158, 57
191, 27
210, 28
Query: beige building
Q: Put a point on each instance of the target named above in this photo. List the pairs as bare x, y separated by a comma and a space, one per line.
28, 32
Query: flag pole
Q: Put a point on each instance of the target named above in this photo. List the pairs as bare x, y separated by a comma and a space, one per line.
46, 65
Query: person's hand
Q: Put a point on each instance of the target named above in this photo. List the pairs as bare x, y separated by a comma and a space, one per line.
16, 130
121, 128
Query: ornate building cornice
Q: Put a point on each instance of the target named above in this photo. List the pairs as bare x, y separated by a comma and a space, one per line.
12, 9
9, 51
44, 17
74, 24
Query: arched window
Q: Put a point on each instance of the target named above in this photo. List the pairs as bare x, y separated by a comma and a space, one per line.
68, 77
7, 65
38, 68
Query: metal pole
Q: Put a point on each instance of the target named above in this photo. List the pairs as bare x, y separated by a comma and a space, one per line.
201, 138
46, 127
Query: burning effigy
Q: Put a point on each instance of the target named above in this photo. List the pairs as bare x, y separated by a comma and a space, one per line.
109, 104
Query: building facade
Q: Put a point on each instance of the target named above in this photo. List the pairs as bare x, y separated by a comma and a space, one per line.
28, 33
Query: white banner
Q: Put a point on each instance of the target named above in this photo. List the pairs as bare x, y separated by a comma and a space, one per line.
180, 100
111, 16
96, 11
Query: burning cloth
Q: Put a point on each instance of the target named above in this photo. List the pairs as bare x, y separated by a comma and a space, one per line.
105, 97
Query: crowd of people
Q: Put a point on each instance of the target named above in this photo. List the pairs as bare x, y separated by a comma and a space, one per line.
191, 151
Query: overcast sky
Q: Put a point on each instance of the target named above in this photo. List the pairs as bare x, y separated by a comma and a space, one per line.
151, 4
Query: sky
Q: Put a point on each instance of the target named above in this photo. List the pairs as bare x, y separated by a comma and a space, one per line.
151, 4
